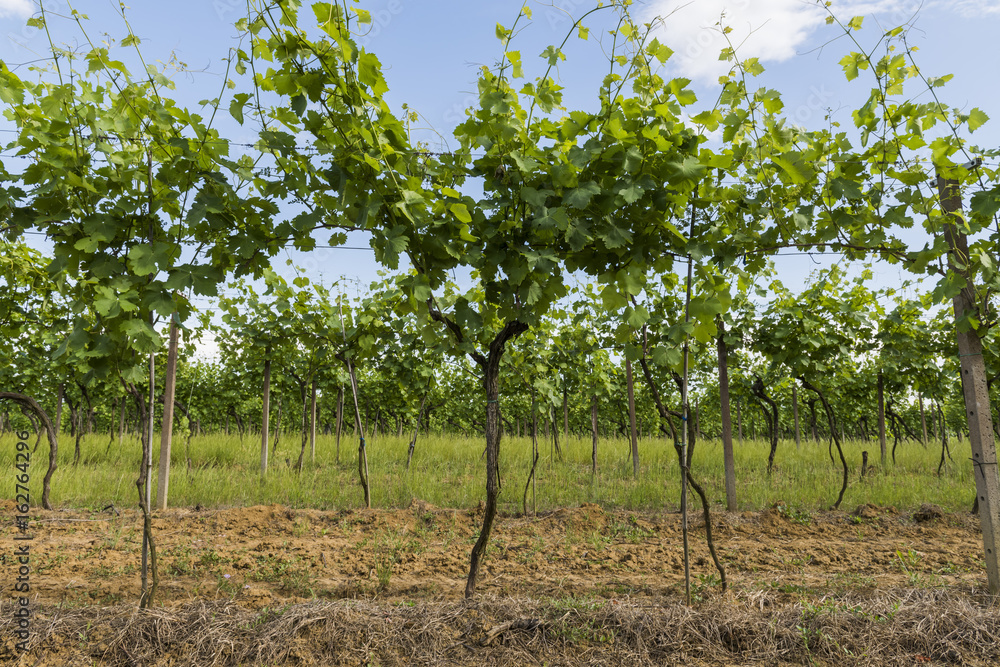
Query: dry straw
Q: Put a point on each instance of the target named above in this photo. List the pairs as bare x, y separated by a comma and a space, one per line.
897, 627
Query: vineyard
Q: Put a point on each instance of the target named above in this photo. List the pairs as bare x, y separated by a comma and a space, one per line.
583, 417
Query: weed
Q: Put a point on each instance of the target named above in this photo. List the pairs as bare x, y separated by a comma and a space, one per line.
801, 561
809, 636
389, 550
598, 540
790, 588
51, 562
530, 551
229, 587
874, 616
793, 514
629, 531
289, 574
952, 568
852, 580
383, 570
702, 587
907, 561
209, 558
300, 528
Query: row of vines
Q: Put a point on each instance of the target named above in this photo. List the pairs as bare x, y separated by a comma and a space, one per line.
619, 257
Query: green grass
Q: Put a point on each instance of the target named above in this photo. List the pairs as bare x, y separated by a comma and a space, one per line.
447, 471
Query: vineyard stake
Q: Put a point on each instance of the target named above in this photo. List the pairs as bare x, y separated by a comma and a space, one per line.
684, 434
977, 399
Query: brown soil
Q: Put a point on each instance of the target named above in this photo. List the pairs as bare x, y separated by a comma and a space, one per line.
262, 566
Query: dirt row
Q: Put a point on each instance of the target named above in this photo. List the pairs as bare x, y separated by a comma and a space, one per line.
261, 559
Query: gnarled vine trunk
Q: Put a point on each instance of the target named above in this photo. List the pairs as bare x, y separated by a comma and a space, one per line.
666, 419
491, 384
770, 417
31, 405
833, 436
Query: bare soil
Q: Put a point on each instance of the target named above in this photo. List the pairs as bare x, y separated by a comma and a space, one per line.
273, 585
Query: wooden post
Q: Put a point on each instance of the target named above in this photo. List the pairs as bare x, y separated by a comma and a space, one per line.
312, 426
729, 463
697, 420
923, 421
555, 432
340, 417
264, 425
167, 426
977, 399
795, 413
739, 420
59, 404
593, 434
881, 416
147, 471
631, 418
121, 422
936, 423
565, 413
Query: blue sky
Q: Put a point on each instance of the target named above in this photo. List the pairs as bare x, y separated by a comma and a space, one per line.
431, 51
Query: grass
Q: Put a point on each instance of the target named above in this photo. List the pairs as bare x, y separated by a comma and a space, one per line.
447, 471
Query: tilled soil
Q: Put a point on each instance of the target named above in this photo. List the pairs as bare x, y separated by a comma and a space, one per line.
544, 576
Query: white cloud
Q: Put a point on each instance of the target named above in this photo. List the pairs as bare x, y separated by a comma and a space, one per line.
772, 30
973, 8
16, 8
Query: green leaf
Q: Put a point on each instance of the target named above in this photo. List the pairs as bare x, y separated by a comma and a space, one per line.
977, 117
680, 91
753, 66
661, 52
850, 65
612, 299
106, 303
986, 204
517, 67
793, 164
690, 169
461, 212
710, 119
632, 192
236, 106
553, 55
580, 197
141, 260
370, 74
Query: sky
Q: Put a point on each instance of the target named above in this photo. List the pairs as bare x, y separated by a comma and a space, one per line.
431, 52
